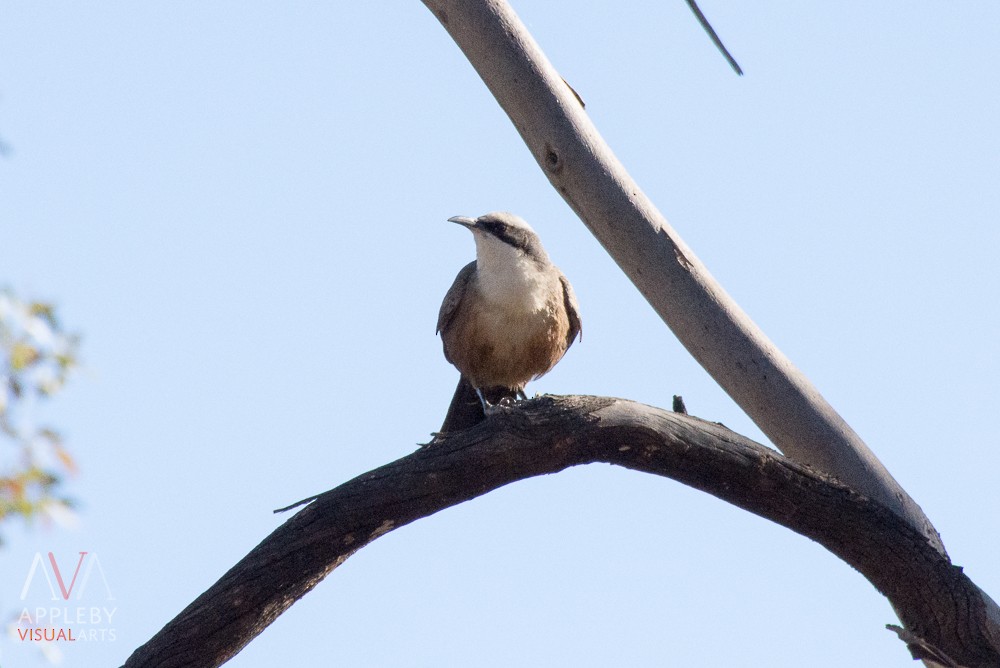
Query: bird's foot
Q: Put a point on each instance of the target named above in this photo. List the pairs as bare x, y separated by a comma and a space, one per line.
503, 406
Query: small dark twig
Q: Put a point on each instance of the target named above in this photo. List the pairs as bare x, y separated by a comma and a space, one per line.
715, 37
920, 649
296, 504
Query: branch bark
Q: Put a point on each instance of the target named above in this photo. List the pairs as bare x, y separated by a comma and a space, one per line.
941, 608
713, 328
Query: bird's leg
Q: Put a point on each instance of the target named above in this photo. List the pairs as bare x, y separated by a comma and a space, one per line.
487, 406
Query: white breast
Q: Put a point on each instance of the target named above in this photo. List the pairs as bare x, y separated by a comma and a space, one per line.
509, 280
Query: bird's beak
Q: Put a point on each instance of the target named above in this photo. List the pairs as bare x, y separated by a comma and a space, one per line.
463, 220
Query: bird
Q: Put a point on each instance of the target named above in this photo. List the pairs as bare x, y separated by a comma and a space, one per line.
507, 319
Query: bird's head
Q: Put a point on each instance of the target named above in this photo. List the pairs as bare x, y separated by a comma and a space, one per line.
500, 233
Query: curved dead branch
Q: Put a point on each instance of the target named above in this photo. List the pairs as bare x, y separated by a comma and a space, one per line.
940, 606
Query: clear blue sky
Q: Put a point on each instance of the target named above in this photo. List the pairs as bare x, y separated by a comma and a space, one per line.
242, 207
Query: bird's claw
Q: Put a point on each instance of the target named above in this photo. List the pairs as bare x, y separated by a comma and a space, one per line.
502, 406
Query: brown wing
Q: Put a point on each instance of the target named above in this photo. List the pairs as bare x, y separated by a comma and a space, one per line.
453, 298
573, 311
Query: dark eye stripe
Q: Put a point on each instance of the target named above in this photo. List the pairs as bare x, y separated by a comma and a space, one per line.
516, 237
507, 235
505, 232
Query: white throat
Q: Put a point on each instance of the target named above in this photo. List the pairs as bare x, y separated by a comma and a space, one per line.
507, 276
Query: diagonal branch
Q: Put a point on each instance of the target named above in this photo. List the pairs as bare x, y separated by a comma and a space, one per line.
713, 328
936, 601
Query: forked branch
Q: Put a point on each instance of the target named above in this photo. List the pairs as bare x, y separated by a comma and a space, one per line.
705, 319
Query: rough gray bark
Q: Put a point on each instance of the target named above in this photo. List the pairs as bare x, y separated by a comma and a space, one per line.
713, 328
940, 606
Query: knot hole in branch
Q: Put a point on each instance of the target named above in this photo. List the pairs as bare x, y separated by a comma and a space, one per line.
553, 162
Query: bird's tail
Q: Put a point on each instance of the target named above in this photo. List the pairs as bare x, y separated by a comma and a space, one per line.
466, 410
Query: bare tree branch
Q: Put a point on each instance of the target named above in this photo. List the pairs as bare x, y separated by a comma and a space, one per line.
939, 605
